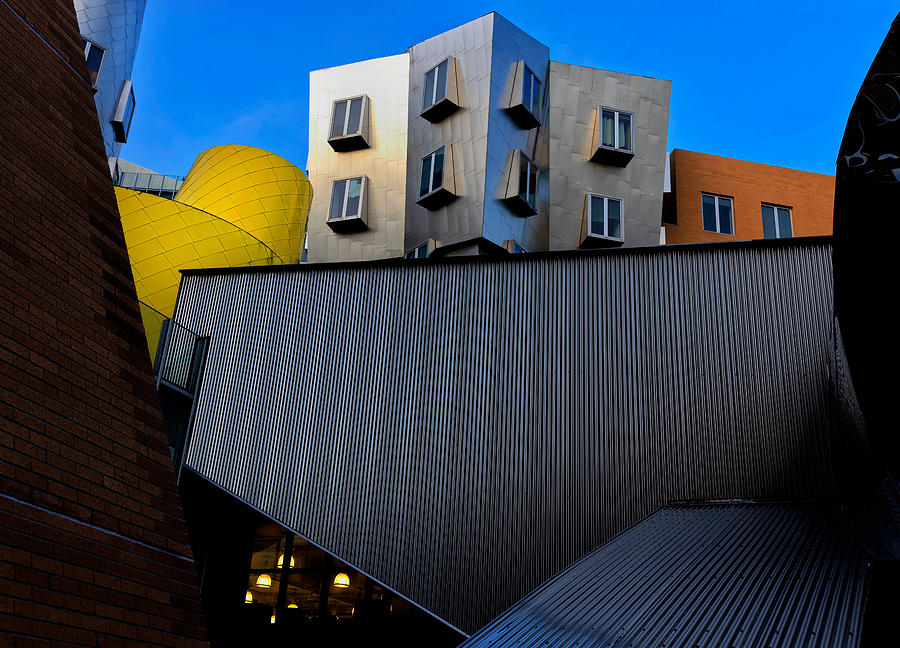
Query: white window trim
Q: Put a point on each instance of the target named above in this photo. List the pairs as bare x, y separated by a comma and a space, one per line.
718, 229
790, 211
87, 48
434, 91
362, 192
431, 187
413, 254
344, 133
606, 200
630, 149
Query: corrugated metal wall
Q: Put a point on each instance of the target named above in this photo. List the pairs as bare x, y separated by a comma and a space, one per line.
462, 430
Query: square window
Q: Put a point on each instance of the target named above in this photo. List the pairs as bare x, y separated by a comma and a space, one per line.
436, 182
435, 84
605, 217
440, 97
519, 184
717, 214
349, 124
94, 55
776, 222
432, 173
613, 139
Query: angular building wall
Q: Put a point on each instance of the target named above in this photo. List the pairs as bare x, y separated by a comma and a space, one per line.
385, 83
463, 429
114, 25
576, 95
93, 546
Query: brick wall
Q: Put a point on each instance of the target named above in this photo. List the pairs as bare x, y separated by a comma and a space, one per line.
809, 195
93, 546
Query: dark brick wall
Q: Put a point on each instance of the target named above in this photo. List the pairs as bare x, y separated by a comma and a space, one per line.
93, 546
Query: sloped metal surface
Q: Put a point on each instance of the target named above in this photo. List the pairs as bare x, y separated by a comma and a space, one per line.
716, 575
462, 430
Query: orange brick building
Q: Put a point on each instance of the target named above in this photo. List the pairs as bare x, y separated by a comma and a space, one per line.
721, 199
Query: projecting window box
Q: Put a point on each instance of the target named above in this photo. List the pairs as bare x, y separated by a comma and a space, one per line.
440, 97
349, 204
524, 104
612, 137
122, 115
436, 181
94, 55
603, 222
349, 128
520, 186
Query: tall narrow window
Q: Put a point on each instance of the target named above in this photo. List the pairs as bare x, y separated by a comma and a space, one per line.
605, 217
432, 173
717, 214
435, 84
94, 55
776, 222
528, 179
121, 121
531, 93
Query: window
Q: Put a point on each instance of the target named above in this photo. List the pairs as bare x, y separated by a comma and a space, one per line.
346, 117
346, 198
420, 252
436, 84
605, 217
528, 180
432, 173
776, 222
531, 93
121, 121
717, 214
93, 54
615, 130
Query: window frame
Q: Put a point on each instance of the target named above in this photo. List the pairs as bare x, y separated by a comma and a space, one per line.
590, 219
790, 211
432, 188
526, 72
88, 44
344, 216
362, 111
417, 252
718, 229
435, 98
523, 194
631, 130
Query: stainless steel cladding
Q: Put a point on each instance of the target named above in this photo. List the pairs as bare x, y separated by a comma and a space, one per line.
114, 25
463, 429
772, 575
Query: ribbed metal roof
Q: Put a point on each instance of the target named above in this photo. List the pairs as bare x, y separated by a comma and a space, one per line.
761, 575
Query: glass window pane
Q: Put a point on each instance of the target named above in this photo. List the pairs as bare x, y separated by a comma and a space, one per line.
429, 89
768, 216
337, 199
354, 191
596, 208
725, 216
337, 124
532, 187
424, 186
94, 58
608, 129
536, 98
709, 213
442, 81
523, 177
438, 173
526, 87
129, 112
613, 218
355, 111
624, 132
784, 223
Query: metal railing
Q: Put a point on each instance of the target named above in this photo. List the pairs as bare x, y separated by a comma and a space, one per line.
159, 184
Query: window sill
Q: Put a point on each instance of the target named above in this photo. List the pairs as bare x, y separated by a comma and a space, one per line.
612, 156
436, 199
347, 225
439, 111
597, 241
519, 206
523, 117
352, 142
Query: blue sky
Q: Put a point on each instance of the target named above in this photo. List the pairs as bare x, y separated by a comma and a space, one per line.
770, 82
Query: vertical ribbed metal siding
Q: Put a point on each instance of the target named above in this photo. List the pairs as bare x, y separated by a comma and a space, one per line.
462, 431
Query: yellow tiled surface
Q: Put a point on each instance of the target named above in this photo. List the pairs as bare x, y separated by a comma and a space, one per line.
238, 205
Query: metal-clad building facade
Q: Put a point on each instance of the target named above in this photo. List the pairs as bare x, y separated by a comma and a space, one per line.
463, 429
739, 575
